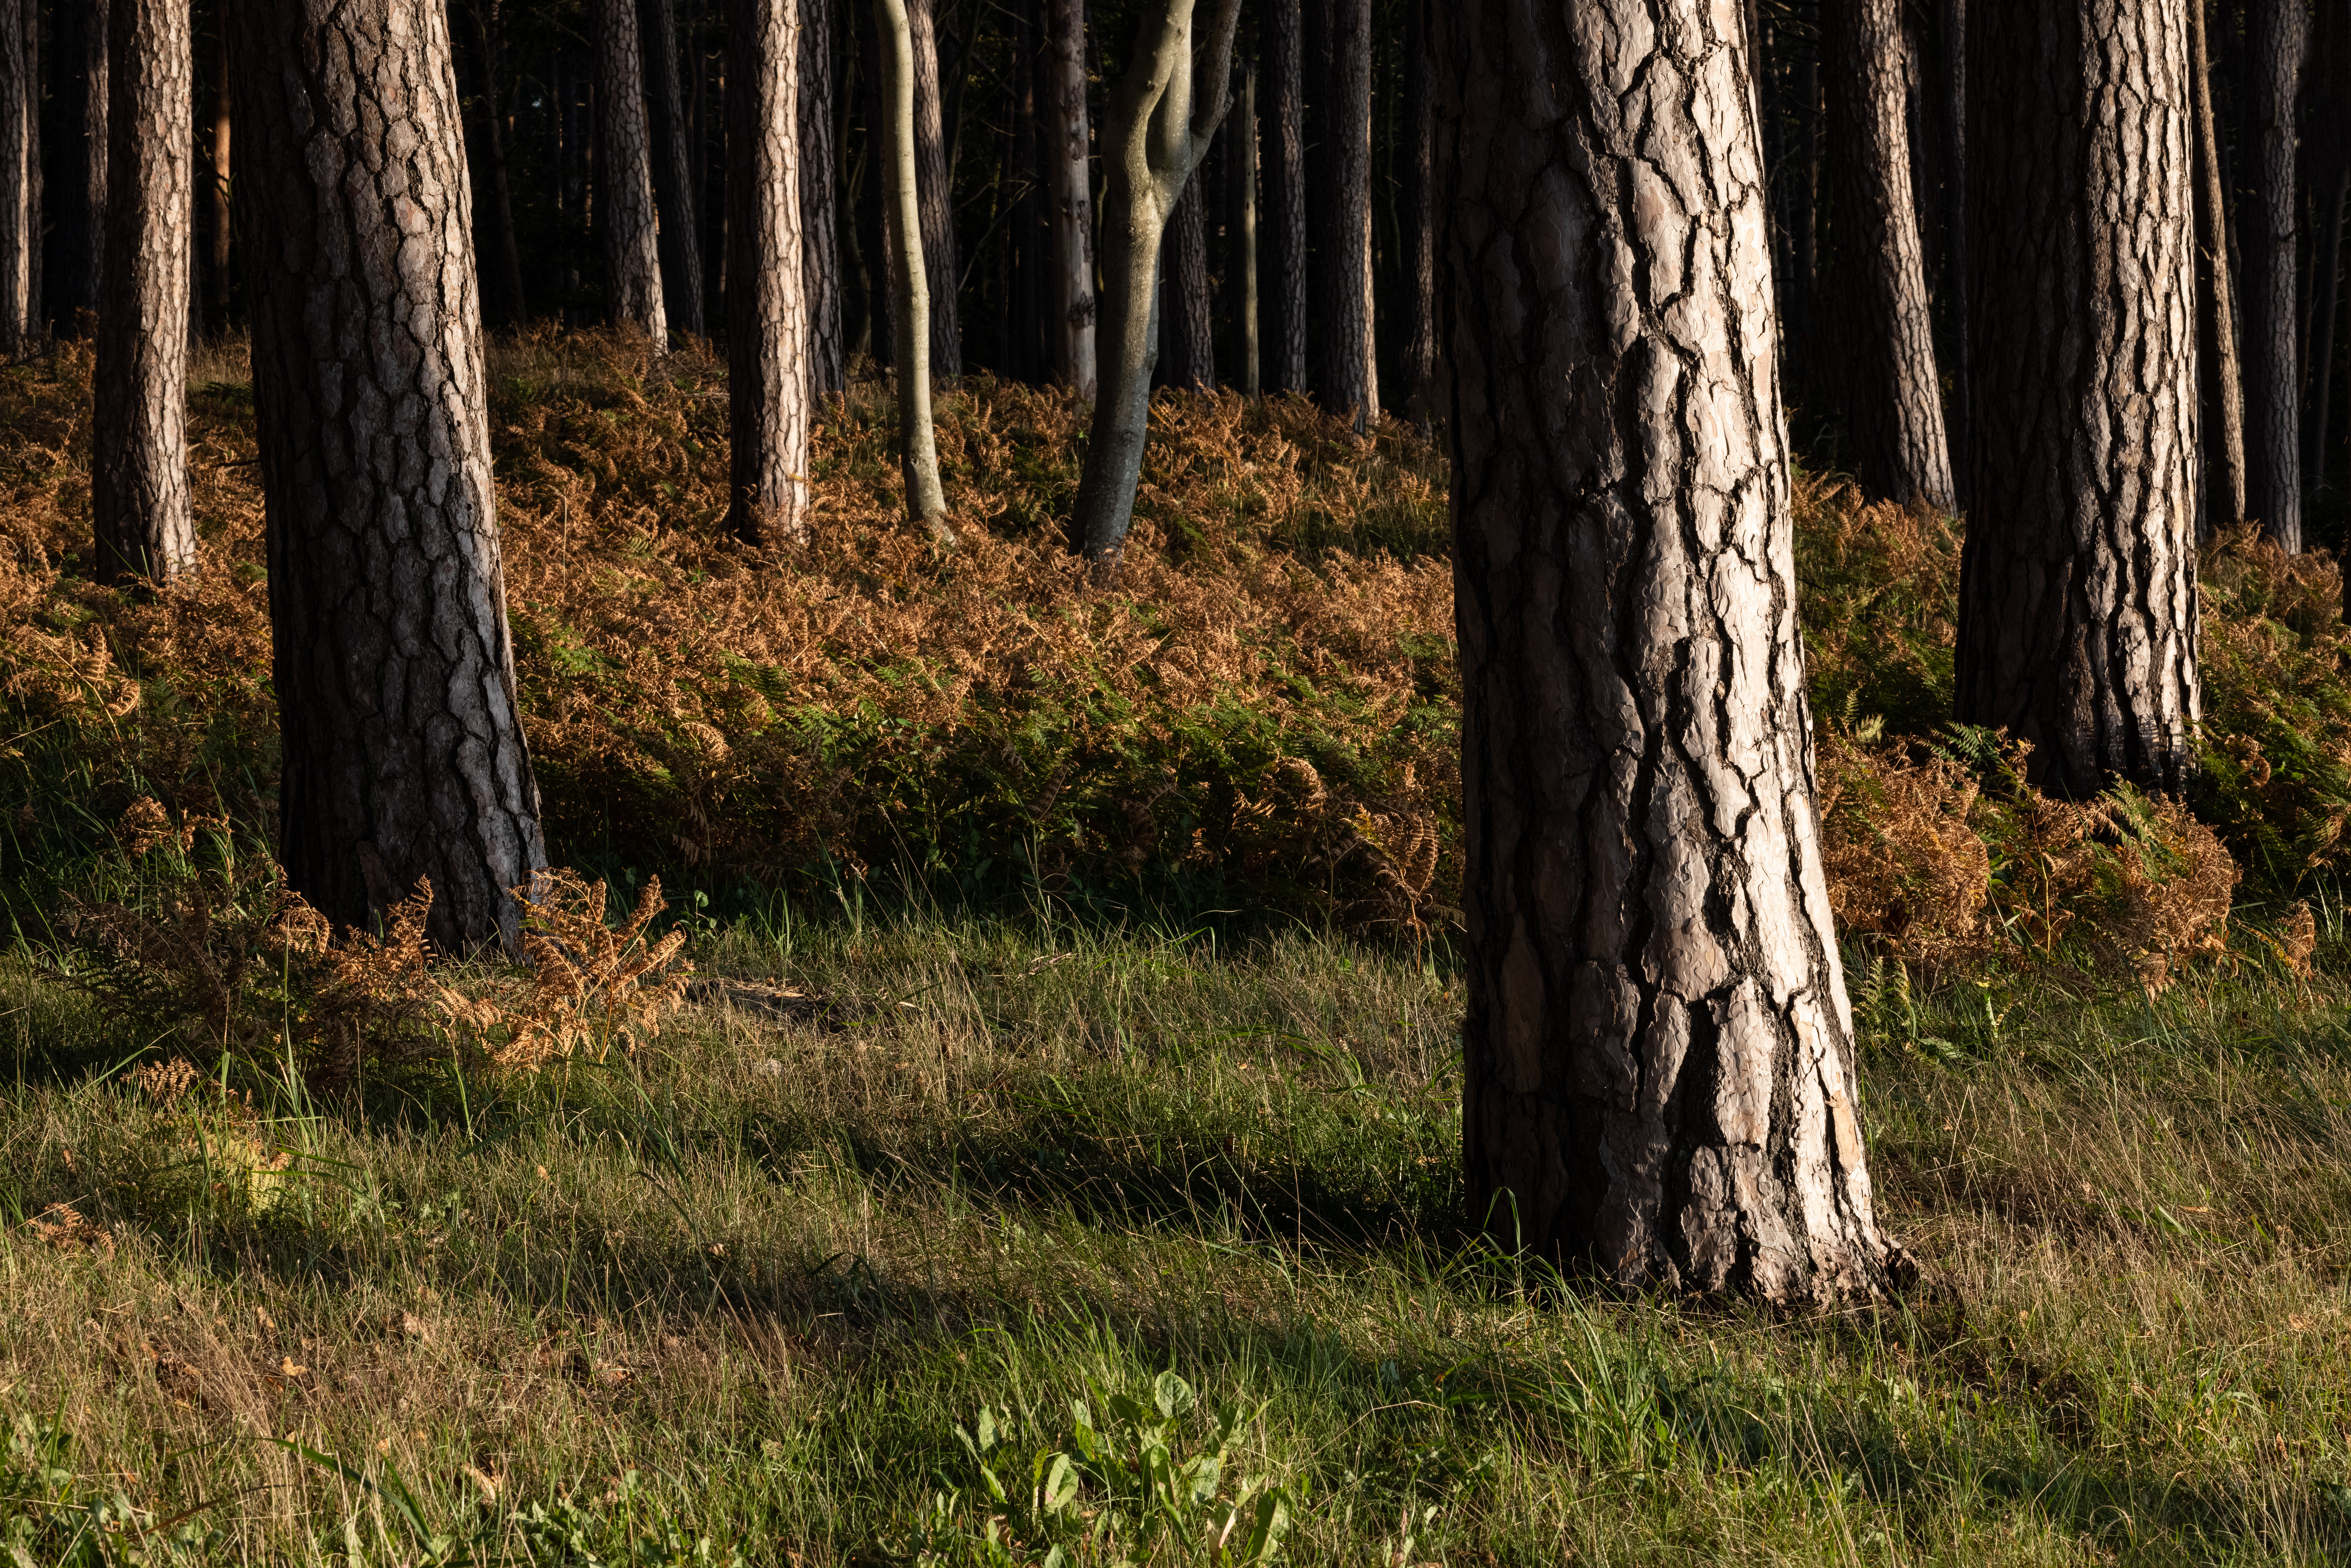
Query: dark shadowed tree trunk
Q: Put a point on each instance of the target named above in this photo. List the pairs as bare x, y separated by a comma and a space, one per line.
139, 450
503, 300
1658, 1051
1188, 331
624, 179
766, 306
1067, 150
1954, 96
1240, 271
2273, 44
1339, 205
2329, 119
828, 343
20, 176
217, 275
78, 241
2220, 499
1416, 218
874, 216
941, 257
404, 754
679, 242
1281, 290
2077, 583
1892, 397
1029, 246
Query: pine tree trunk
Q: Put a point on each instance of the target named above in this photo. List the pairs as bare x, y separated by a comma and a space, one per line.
875, 213
2273, 41
503, 300
767, 319
1240, 272
941, 258
1658, 1051
1893, 399
404, 754
1282, 290
1417, 217
679, 241
1960, 408
20, 173
918, 452
139, 449
1188, 331
624, 181
1067, 151
1028, 269
827, 345
78, 243
2220, 499
1339, 178
1804, 346
2077, 583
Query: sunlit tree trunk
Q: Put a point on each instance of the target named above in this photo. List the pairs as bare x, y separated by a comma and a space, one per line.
767, 387
918, 452
1241, 281
20, 176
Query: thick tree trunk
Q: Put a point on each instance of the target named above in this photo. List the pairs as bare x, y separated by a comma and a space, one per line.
679, 241
1067, 150
1282, 290
1240, 272
1955, 240
2220, 499
1156, 134
1416, 218
78, 243
1188, 344
1659, 1065
20, 175
941, 257
503, 300
827, 344
1892, 397
1339, 177
2273, 42
918, 452
2077, 583
404, 753
139, 449
624, 181
767, 318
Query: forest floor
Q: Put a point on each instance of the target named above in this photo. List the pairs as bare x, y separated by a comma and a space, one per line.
1047, 1202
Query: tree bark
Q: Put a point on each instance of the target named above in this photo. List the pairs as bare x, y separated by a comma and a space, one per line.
1282, 295
1892, 396
1339, 213
2220, 499
678, 243
20, 175
2274, 42
404, 753
1240, 277
1658, 1049
1188, 327
875, 216
139, 448
624, 182
767, 318
1417, 219
827, 344
1803, 353
1955, 241
2077, 582
1067, 150
78, 243
918, 452
940, 255
1153, 139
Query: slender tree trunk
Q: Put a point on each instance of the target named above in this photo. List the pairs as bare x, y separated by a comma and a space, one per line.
2077, 583
918, 453
2329, 289
20, 173
940, 253
1892, 396
625, 183
2329, 117
217, 273
1067, 151
2220, 499
1154, 138
1960, 407
1804, 349
875, 216
1282, 295
138, 457
78, 241
767, 318
678, 243
1029, 241
571, 184
1658, 1051
1189, 337
828, 346
1240, 272
403, 751
502, 288
1417, 219
1339, 177
2273, 41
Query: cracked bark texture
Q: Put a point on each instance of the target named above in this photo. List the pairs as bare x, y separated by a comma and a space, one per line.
1281, 288
139, 450
2077, 581
679, 241
1893, 399
767, 305
828, 341
624, 179
1067, 148
2274, 45
1658, 1046
1188, 322
404, 752
77, 244
20, 176
2220, 499
942, 259
1339, 206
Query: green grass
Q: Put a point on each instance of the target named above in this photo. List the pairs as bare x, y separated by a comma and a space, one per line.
738, 1295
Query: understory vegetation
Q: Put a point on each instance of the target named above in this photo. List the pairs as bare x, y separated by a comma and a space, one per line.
990, 1087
